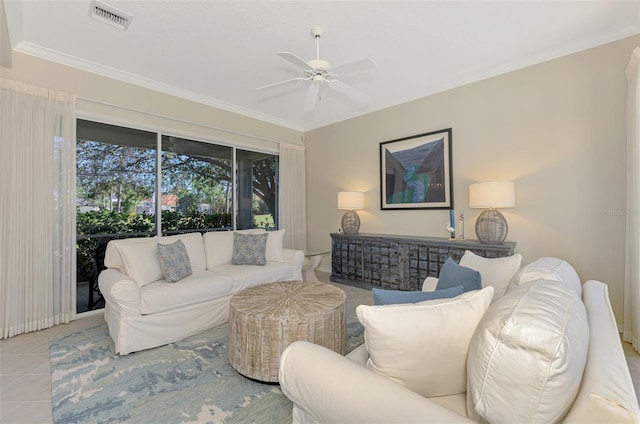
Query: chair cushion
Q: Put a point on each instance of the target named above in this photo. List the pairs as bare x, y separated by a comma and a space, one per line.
393, 297
174, 261
495, 272
453, 274
424, 346
548, 269
528, 355
606, 393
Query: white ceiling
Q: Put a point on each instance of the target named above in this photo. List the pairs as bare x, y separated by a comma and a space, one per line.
217, 52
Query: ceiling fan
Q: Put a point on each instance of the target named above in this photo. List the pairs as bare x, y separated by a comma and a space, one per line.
320, 73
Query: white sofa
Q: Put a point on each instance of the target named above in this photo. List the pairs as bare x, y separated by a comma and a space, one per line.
143, 310
547, 351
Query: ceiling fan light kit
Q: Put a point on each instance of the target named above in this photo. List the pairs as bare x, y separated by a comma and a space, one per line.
319, 71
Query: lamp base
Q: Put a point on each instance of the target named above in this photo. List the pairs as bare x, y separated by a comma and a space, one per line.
350, 222
491, 227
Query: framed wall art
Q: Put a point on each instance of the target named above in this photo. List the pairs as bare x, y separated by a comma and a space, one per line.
415, 172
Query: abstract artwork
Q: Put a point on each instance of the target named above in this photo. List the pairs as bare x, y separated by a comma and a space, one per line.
415, 172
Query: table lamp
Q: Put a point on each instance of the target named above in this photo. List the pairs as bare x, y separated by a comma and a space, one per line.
491, 227
350, 201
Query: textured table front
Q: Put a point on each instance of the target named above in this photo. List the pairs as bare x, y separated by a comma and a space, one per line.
265, 319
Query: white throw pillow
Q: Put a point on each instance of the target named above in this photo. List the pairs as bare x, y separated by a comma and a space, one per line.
218, 248
495, 272
423, 346
548, 269
528, 354
252, 231
274, 246
141, 261
113, 259
429, 284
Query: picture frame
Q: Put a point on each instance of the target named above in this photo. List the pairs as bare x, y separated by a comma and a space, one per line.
416, 172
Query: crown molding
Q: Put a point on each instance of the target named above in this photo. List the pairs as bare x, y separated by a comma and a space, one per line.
105, 71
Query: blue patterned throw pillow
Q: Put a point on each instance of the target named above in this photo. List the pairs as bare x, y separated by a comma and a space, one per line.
174, 261
249, 249
393, 297
453, 275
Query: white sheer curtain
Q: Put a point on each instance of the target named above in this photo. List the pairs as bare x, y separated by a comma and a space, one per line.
631, 332
292, 206
37, 208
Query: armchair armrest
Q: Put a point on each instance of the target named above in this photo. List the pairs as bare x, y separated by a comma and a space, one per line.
328, 387
120, 291
295, 258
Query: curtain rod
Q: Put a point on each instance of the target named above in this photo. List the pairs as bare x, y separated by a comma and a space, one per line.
257, 137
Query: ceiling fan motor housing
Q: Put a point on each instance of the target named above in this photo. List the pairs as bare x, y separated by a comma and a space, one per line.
319, 65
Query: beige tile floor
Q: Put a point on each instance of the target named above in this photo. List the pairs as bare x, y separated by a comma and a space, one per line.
25, 373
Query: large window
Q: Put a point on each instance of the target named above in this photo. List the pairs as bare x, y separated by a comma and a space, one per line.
197, 188
257, 179
121, 192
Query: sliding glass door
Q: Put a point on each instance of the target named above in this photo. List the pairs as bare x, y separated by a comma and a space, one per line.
136, 183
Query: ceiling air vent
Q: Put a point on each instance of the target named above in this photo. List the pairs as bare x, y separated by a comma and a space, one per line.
110, 15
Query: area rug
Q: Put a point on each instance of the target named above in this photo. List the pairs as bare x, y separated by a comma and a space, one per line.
189, 381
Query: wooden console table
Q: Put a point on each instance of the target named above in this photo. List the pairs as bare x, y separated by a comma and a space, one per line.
399, 262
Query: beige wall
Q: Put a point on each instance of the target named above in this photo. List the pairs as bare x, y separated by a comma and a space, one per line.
557, 129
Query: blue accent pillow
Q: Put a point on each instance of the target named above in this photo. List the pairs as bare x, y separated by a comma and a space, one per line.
249, 249
393, 297
174, 261
453, 274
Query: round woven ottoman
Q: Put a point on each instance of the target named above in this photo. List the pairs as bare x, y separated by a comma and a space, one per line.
265, 319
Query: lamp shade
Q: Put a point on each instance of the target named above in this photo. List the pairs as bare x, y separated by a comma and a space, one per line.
497, 194
350, 200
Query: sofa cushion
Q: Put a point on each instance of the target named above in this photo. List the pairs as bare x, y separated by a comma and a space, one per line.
195, 248
495, 272
275, 243
394, 297
548, 269
424, 346
528, 355
174, 261
453, 275
606, 392
249, 249
141, 261
251, 275
218, 247
199, 287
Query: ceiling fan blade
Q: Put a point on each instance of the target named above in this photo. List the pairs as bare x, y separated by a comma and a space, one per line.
295, 60
347, 90
355, 66
276, 84
312, 98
